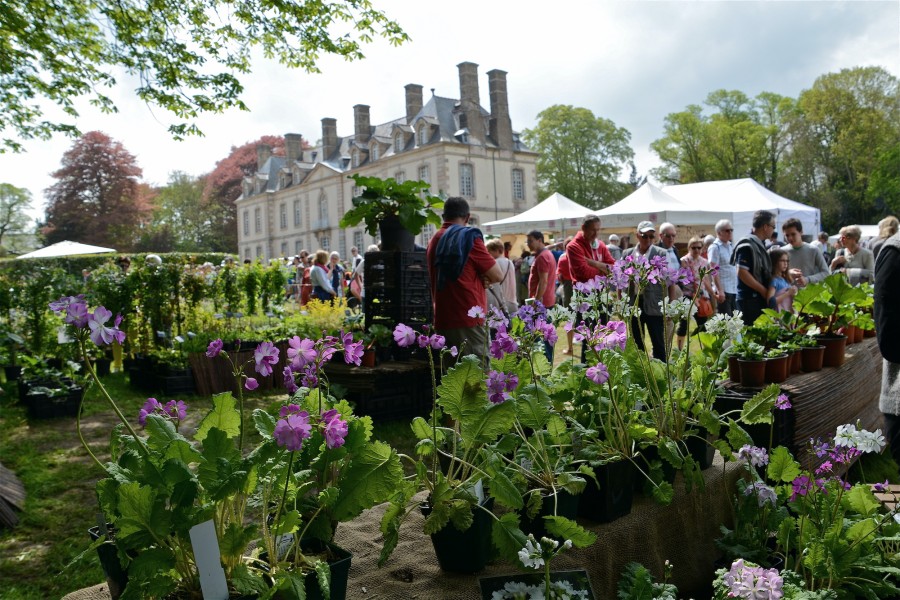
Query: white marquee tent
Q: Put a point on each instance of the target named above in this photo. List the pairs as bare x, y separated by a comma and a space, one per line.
702, 204
66, 248
556, 213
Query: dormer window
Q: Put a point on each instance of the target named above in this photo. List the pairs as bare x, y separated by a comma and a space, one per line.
354, 158
373, 152
423, 135
399, 143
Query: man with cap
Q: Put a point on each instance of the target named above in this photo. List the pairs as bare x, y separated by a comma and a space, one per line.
613, 246
725, 280
648, 301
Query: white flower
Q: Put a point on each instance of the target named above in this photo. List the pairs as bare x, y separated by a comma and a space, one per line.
868, 441
676, 309
846, 435
531, 554
897, 517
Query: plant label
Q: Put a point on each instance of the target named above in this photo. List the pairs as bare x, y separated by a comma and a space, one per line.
206, 553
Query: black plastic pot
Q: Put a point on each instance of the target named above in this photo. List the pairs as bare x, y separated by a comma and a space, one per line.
700, 449
394, 236
464, 551
12, 373
43, 406
615, 495
116, 576
565, 505
340, 572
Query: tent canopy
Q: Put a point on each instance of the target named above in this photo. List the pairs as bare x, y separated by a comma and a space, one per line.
702, 204
556, 213
66, 248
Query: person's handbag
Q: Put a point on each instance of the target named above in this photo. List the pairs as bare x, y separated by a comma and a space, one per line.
704, 307
495, 298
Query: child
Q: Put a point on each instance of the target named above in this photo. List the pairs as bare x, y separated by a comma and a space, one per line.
781, 290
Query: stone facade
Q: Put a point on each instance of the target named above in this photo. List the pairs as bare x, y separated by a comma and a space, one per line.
295, 202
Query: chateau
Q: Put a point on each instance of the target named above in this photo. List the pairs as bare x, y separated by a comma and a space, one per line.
295, 202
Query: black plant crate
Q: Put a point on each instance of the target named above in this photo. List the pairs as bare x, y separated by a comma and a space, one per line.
393, 269
43, 406
782, 430
175, 386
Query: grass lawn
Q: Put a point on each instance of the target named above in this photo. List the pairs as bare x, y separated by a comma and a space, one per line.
44, 556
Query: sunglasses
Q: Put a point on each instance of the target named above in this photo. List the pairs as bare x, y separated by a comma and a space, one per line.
728, 230
696, 247
647, 236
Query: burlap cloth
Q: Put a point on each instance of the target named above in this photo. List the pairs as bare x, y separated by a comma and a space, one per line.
683, 533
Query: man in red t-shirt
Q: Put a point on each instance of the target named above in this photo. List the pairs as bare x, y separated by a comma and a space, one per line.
542, 278
460, 269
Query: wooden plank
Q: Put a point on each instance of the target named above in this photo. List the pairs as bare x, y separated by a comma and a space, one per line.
11, 489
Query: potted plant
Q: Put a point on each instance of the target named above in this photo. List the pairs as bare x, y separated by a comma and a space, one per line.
831, 304
400, 210
778, 365
752, 363
316, 465
377, 337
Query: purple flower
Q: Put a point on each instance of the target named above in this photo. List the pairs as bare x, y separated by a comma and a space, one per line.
503, 344
100, 333
152, 405
77, 314
422, 340
881, 487
265, 355
176, 409
353, 353
292, 430
821, 448
801, 486
825, 467
289, 409
251, 384
764, 493
437, 342
310, 377
301, 352
782, 402
496, 319
63, 303
548, 330
757, 457
214, 348
454, 351
476, 312
335, 429
404, 335
498, 383
598, 373
289, 382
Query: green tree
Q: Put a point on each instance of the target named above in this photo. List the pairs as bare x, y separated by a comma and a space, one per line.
181, 217
843, 135
188, 56
13, 218
740, 137
581, 156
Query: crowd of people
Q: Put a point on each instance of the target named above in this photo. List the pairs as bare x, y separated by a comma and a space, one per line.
755, 272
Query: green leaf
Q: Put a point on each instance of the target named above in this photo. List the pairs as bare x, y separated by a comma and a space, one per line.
758, 409
235, 539
291, 584
559, 432
668, 451
462, 394
461, 514
664, 493
737, 437
862, 530
861, 499
568, 529
507, 537
247, 582
224, 416
532, 407
220, 470
288, 522
264, 423
137, 514
490, 424
501, 488
372, 477
782, 466
438, 519
323, 576
160, 432
423, 430
151, 561
182, 450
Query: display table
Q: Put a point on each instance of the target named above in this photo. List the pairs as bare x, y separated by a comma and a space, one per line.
389, 390
824, 399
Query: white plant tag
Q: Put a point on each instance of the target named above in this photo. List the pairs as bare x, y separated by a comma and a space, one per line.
209, 566
479, 491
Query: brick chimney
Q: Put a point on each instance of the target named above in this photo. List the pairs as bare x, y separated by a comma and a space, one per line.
329, 137
361, 123
469, 99
263, 152
500, 124
293, 148
413, 101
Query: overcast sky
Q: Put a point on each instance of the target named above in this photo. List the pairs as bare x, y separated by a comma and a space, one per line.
632, 62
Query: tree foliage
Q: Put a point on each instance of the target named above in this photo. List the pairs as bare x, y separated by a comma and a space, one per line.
97, 198
581, 156
181, 221
13, 218
224, 186
188, 56
741, 137
835, 147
